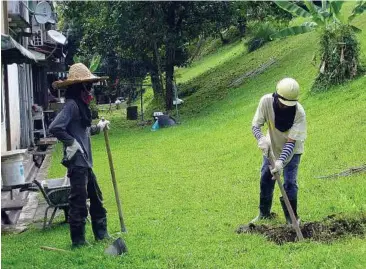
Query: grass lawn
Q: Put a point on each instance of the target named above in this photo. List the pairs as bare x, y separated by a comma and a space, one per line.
186, 189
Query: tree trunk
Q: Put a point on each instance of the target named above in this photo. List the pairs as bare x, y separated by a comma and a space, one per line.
156, 85
157, 65
242, 26
155, 75
169, 73
169, 55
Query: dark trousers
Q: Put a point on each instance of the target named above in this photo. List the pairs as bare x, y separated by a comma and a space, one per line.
84, 185
290, 179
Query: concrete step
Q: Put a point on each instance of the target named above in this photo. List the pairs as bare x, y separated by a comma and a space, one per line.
20, 199
10, 205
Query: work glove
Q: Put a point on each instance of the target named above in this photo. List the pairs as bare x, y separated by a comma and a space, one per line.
103, 124
71, 150
278, 166
264, 144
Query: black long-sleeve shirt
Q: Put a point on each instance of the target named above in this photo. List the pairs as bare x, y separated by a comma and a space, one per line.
67, 126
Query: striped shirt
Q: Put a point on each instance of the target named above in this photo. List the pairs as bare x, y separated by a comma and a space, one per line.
287, 151
257, 132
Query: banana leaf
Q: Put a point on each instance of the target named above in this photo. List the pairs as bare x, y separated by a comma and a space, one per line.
315, 12
335, 7
295, 30
293, 8
94, 63
357, 10
355, 29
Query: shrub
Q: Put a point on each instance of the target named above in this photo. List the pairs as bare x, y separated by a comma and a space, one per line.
339, 50
232, 34
259, 33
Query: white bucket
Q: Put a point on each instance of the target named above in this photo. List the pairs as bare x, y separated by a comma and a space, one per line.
12, 170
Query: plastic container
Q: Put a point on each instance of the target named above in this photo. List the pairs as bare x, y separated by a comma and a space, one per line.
155, 126
12, 168
132, 113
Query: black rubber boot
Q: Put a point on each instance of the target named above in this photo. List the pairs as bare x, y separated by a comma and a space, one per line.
265, 207
264, 210
78, 236
100, 229
285, 211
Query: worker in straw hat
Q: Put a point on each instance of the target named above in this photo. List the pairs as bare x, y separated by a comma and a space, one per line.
285, 118
72, 126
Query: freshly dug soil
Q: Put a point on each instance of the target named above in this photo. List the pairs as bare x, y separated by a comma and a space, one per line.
327, 230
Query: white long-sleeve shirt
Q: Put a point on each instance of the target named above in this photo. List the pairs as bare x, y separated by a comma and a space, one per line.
298, 132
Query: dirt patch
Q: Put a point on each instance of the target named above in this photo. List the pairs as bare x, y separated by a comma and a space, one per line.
329, 229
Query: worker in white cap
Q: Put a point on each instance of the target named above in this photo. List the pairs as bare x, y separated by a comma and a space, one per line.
286, 122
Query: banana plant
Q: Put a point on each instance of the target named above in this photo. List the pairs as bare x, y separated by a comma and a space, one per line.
94, 64
319, 17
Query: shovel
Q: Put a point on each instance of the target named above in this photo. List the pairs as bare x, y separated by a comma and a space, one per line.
118, 247
295, 224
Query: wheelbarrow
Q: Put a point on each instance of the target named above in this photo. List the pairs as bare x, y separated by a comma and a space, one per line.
56, 193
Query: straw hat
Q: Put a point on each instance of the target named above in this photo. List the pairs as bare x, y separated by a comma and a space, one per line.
78, 73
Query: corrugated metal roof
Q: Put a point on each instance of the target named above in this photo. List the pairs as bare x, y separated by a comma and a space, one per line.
13, 52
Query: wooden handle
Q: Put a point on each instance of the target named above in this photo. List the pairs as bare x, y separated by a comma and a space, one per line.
55, 249
295, 224
116, 193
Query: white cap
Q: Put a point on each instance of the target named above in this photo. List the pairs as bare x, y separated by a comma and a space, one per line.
288, 91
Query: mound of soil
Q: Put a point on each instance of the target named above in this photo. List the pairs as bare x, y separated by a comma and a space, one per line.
327, 230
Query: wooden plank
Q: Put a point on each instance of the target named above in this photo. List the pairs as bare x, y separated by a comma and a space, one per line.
47, 141
13, 153
7, 205
13, 187
37, 153
254, 72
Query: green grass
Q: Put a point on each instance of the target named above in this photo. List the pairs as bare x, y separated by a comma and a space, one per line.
186, 189
220, 57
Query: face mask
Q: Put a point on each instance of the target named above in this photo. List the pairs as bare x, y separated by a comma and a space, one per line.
86, 94
284, 115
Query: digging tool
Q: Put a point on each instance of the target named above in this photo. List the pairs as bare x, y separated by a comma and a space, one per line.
295, 224
115, 187
118, 246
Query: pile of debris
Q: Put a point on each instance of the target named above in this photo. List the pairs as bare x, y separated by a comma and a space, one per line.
329, 229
